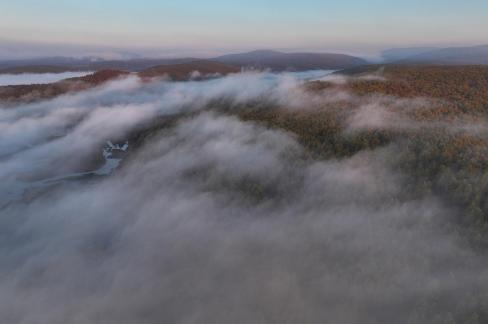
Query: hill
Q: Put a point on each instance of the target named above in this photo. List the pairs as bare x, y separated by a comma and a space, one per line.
64, 64
179, 72
183, 71
136, 65
35, 92
396, 54
452, 56
39, 69
465, 87
58, 61
278, 61
434, 116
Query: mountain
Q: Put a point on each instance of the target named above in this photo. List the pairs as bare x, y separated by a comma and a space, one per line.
396, 54
278, 61
84, 64
451, 56
183, 71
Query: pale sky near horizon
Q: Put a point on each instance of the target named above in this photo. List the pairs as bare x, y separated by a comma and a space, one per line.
212, 24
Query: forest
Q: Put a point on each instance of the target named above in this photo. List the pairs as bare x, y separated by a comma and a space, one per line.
437, 153
360, 196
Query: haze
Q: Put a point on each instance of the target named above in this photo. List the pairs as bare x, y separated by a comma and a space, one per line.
243, 162
172, 28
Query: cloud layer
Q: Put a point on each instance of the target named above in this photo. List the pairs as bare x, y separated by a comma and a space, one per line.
214, 220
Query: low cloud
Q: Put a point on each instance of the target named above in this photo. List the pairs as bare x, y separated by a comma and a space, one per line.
215, 220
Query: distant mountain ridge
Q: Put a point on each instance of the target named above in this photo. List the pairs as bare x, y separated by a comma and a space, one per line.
260, 59
85, 64
273, 60
38, 69
279, 61
473, 55
396, 54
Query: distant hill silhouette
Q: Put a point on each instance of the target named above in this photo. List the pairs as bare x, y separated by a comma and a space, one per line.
38, 69
452, 56
63, 64
396, 54
278, 61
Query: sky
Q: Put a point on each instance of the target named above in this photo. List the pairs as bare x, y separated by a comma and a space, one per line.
226, 25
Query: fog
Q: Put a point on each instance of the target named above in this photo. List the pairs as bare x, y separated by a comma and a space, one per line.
213, 219
37, 78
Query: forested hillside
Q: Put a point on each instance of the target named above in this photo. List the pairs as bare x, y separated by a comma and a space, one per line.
438, 135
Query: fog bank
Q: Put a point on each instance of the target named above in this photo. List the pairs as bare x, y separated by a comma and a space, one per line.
216, 220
